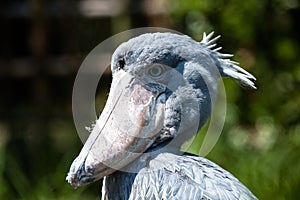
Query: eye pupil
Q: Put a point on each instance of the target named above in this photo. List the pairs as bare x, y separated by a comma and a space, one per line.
156, 71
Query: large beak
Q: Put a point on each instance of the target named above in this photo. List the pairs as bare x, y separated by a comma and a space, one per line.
127, 126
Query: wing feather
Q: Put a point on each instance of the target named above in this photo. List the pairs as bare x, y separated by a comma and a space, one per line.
189, 177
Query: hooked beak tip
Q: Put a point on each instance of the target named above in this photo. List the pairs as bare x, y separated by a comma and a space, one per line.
78, 177
73, 178
72, 181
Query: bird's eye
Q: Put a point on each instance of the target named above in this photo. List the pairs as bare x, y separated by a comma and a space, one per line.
121, 64
156, 70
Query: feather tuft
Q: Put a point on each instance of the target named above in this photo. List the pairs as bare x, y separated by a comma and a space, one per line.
226, 66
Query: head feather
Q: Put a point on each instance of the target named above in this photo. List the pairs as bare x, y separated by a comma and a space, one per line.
226, 66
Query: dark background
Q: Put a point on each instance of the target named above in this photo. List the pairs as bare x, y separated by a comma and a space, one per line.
43, 42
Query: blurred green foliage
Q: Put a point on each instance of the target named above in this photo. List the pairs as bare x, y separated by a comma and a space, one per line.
260, 143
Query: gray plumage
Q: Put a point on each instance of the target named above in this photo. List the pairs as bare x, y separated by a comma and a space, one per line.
179, 75
189, 177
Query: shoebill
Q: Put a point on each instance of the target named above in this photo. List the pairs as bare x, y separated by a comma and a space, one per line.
163, 89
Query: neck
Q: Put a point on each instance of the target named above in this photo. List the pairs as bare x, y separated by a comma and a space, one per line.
119, 184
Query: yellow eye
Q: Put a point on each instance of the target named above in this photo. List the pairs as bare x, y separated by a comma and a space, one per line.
156, 70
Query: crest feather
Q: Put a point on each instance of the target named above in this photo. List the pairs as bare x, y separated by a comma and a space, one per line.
226, 66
